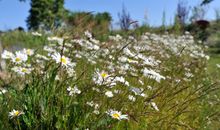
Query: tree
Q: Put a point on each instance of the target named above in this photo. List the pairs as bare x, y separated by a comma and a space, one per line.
45, 13
204, 2
82, 21
124, 19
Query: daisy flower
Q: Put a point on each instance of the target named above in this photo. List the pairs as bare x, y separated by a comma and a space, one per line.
3, 91
61, 59
131, 98
109, 94
19, 57
73, 90
15, 113
36, 34
22, 70
28, 52
57, 39
154, 105
104, 75
117, 115
7, 55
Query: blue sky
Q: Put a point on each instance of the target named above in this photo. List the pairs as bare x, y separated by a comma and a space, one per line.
14, 13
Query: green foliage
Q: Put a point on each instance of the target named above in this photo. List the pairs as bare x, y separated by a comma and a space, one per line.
177, 26
47, 104
79, 22
45, 14
15, 40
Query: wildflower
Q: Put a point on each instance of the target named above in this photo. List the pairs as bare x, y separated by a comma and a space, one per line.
154, 106
28, 52
57, 39
141, 82
36, 34
42, 57
19, 57
152, 74
96, 112
109, 94
117, 115
218, 65
189, 75
104, 75
88, 34
57, 78
103, 78
122, 80
61, 59
7, 55
128, 52
131, 98
3, 91
22, 70
132, 61
49, 49
15, 113
91, 104
74, 90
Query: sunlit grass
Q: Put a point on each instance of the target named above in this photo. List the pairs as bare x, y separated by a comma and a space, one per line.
149, 82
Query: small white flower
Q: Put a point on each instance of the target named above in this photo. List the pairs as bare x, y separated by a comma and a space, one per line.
28, 52
152, 74
141, 82
57, 39
91, 104
104, 74
22, 70
42, 57
57, 78
7, 55
49, 49
15, 113
96, 112
131, 98
88, 34
154, 106
117, 115
19, 57
3, 91
132, 61
73, 90
36, 34
65, 61
109, 94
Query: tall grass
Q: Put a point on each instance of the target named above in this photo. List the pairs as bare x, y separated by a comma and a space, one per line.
155, 82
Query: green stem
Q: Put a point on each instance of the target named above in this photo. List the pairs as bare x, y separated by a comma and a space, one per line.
18, 122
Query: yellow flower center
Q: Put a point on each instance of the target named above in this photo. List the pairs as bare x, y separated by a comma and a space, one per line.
104, 75
29, 52
116, 115
63, 60
17, 59
16, 113
130, 60
23, 70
